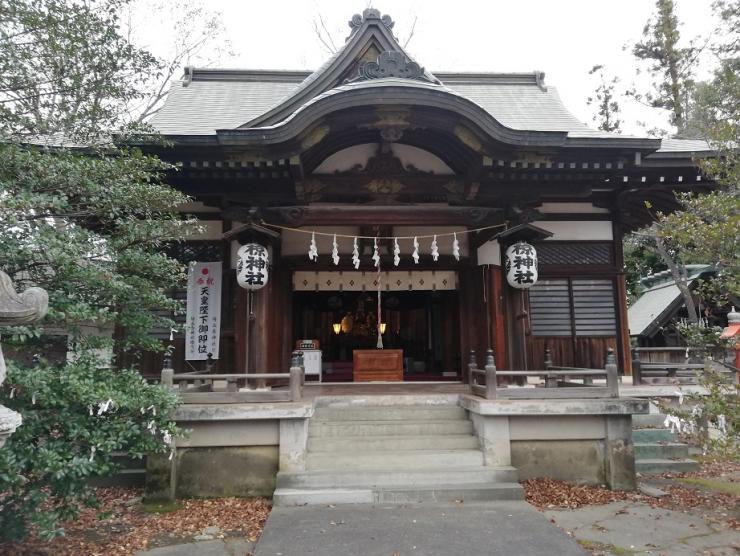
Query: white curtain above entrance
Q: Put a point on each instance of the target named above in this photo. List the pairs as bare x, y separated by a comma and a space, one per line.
400, 280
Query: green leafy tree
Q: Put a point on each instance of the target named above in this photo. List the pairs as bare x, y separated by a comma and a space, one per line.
605, 99
86, 216
670, 65
639, 261
706, 228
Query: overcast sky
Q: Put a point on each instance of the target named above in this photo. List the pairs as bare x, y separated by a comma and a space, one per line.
563, 38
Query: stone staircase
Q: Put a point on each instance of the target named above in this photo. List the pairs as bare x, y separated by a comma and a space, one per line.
657, 449
387, 451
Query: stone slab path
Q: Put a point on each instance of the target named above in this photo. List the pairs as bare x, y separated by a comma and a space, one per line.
218, 547
490, 528
636, 528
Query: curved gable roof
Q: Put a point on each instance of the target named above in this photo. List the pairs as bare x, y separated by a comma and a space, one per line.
369, 31
242, 100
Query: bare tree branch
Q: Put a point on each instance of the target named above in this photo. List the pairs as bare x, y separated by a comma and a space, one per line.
411, 33
328, 45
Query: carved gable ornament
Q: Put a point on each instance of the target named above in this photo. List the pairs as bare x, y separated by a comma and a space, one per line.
391, 64
370, 13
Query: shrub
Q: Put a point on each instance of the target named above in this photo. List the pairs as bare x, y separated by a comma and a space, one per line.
76, 418
711, 419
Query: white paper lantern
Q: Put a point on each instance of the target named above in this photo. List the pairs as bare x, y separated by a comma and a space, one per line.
251, 266
521, 266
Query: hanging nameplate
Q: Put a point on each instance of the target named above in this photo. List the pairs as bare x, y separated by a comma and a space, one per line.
521, 266
251, 266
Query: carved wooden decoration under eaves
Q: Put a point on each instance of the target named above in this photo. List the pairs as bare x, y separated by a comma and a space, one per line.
382, 176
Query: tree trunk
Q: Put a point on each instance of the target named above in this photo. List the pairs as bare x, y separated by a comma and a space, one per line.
678, 273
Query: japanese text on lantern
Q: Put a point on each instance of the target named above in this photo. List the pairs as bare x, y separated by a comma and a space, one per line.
251, 266
521, 265
203, 320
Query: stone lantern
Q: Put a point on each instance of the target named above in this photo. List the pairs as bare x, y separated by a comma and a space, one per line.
16, 309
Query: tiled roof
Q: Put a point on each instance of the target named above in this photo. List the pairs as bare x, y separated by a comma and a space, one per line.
201, 106
525, 107
208, 102
684, 145
657, 304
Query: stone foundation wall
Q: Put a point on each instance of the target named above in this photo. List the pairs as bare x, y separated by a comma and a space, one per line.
237, 450
580, 461
583, 441
242, 471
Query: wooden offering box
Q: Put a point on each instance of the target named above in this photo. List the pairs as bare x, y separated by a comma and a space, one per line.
377, 364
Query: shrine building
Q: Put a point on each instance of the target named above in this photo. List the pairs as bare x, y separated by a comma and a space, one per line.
364, 214
373, 144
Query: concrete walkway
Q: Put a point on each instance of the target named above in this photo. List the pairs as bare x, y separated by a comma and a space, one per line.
475, 528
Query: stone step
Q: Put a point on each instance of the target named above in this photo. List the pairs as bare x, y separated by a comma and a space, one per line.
371, 478
392, 413
661, 450
451, 493
400, 459
305, 497
389, 428
658, 466
648, 420
387, 443
419, 493
653, 435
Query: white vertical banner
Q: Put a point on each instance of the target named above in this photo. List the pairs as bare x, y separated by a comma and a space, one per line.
203, 317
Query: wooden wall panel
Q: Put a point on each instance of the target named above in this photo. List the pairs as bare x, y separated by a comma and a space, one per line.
585, 352
591, 352
561, 350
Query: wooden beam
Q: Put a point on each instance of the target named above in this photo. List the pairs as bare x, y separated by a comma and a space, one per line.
398, 215
296, 172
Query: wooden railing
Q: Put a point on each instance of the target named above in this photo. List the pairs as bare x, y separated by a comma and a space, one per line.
558, 382
670, 365
237, 388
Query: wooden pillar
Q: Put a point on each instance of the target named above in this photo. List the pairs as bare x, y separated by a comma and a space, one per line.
240, 311
270, 330
473, 318
516, 340
623, 333
498, 315
272, 338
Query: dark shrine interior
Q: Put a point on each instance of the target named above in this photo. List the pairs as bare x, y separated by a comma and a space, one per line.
424, 324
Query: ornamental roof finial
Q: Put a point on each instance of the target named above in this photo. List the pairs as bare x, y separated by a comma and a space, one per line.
368, 14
